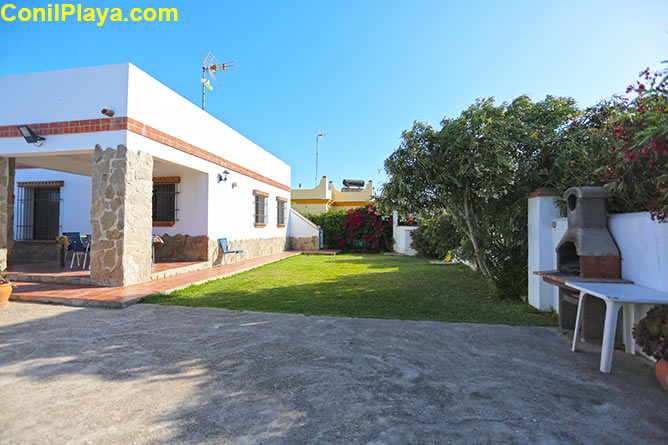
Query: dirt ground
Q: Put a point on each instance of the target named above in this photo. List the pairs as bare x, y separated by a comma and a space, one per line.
196, 375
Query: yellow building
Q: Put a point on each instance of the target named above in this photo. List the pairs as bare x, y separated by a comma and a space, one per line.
326, 197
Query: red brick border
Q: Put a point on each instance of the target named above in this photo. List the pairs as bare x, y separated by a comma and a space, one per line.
129, 124
68, 127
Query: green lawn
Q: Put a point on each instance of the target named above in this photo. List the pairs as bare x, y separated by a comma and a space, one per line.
374, 286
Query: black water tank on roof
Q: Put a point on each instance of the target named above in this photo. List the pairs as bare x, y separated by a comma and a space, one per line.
353, 183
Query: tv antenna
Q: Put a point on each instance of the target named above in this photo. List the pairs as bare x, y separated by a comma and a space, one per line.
317, 139
209, 67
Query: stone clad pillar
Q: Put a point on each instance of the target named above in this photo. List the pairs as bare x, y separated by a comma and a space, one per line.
121, 216
7, 171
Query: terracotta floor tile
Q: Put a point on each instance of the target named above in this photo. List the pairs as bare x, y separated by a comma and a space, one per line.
97, 295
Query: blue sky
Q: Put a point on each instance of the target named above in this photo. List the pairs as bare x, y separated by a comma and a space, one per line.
360, 70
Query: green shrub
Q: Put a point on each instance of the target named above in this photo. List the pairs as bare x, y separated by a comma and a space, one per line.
651, 333
436, 237
331, 224
361, 229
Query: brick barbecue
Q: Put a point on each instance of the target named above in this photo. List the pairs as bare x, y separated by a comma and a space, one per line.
587, 252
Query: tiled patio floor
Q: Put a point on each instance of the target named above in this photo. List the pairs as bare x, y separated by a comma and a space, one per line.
51, 269
51, 272
119, 297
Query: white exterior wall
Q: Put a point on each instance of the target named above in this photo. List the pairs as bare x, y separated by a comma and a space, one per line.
206, 207
229, 210
63, 95
300, 227
152, 103
643, 245
75, 196
192, 204
57, 96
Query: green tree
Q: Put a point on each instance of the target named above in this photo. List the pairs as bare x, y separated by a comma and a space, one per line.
479, 168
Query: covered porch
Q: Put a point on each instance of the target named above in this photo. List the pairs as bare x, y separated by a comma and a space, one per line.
119, 198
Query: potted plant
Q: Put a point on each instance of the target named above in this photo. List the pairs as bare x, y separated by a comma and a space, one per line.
5, 289
651, 334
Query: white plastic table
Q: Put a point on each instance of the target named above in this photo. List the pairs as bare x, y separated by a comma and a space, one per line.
615, 296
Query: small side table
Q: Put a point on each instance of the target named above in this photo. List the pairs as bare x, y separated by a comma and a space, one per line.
615, 296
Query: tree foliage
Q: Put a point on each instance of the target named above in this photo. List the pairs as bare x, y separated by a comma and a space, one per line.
479, 168
436, 237
331, 224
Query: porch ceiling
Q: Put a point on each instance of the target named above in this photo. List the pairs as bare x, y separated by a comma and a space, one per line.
81, 163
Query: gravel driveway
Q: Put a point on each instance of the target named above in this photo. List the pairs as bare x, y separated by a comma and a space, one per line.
174, 374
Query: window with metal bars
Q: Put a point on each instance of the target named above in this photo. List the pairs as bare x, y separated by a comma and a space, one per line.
281, 211
165, 202
37, 212
261, 208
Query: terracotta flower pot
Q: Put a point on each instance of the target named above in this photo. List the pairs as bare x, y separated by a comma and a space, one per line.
5, 292
662, 373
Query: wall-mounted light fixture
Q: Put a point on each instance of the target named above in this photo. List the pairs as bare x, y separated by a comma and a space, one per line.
30, 136
223, 176
107, 112
234, 184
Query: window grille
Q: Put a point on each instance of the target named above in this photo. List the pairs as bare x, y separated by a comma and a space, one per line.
261, 206
281, 211
165, 202
37, 213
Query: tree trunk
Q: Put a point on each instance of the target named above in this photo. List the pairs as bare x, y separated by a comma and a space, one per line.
482, 264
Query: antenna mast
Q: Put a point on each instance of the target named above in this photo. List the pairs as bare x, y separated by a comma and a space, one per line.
210, 66
317, 139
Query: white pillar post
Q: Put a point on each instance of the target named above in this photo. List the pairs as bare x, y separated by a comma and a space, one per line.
395, 223
542, 256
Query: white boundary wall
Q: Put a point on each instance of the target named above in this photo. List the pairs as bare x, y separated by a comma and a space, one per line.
402, 236
643, 245
301, 227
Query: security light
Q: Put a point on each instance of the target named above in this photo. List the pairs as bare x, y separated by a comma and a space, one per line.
30, 135
223, 176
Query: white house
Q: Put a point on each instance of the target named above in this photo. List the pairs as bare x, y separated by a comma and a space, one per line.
124, 157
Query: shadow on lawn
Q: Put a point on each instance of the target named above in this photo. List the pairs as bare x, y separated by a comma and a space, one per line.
384, 290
